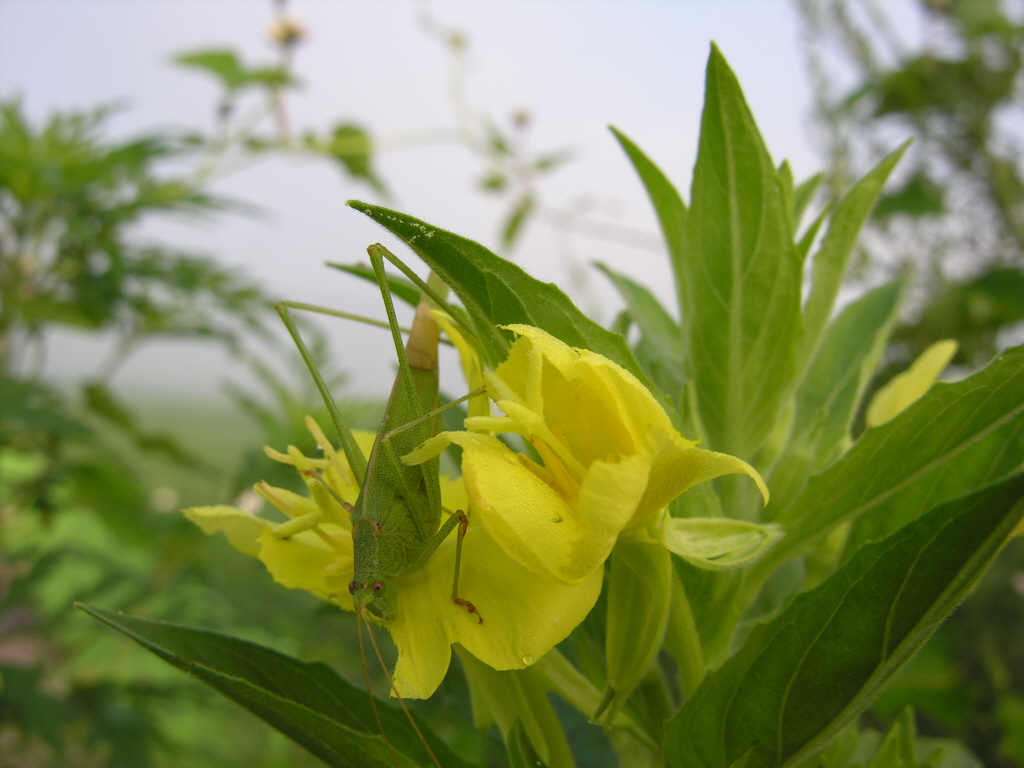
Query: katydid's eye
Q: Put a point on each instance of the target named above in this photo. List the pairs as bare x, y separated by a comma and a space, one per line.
352, 587
378, 586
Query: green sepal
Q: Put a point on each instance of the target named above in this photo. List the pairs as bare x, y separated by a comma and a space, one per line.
521, 753
639, 598
559, 676
517, 698
717, 543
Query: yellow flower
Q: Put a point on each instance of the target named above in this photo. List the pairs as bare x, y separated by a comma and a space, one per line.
525, 614
610, 458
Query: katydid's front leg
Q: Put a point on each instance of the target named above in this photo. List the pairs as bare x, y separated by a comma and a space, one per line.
460, 519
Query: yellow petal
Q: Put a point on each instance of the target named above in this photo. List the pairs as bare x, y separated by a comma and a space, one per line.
679, 468
908, 386
242, 528
524, 614
472, 369
628, 401
534, 523
518, 509
555, 350
609, 499
305, 561
286, 502
453, 494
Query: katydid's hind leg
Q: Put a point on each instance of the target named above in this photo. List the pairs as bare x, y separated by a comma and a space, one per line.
456, 519
463, 526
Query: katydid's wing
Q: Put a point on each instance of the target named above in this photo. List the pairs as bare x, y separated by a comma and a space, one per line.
406, 500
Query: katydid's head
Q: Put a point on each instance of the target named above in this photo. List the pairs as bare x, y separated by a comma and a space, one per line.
377, 600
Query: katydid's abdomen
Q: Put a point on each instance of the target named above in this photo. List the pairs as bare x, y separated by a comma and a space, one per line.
396, 517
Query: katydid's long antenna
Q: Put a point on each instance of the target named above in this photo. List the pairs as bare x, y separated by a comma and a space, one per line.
408, 714
349, 316
339, 313
369, 690
354, 454
430, 292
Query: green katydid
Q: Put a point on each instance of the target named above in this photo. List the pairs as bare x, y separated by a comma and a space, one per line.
396, 518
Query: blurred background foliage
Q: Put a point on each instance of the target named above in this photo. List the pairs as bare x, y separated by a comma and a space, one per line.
89, 488
954, 218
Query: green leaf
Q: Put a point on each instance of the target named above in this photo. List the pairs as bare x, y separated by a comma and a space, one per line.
497, 292
308, 702
550, 161
272, 77
102, 482
400, 287
352, 146
802, 196
222, 64
854, 748
800, 678
29, 405
830, 261
899, 747
493, 181
957, 437
786, 184
829, 395
803, 245
668, 205
517, 218
660, 332
742, 275
101, 401
919, 196
946, 753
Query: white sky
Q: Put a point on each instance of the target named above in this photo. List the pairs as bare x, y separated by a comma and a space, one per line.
578, 65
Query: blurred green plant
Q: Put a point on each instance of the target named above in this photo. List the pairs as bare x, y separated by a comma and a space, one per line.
512, 168
725, 633
75, 515
70, 200
957, 218
957, 215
